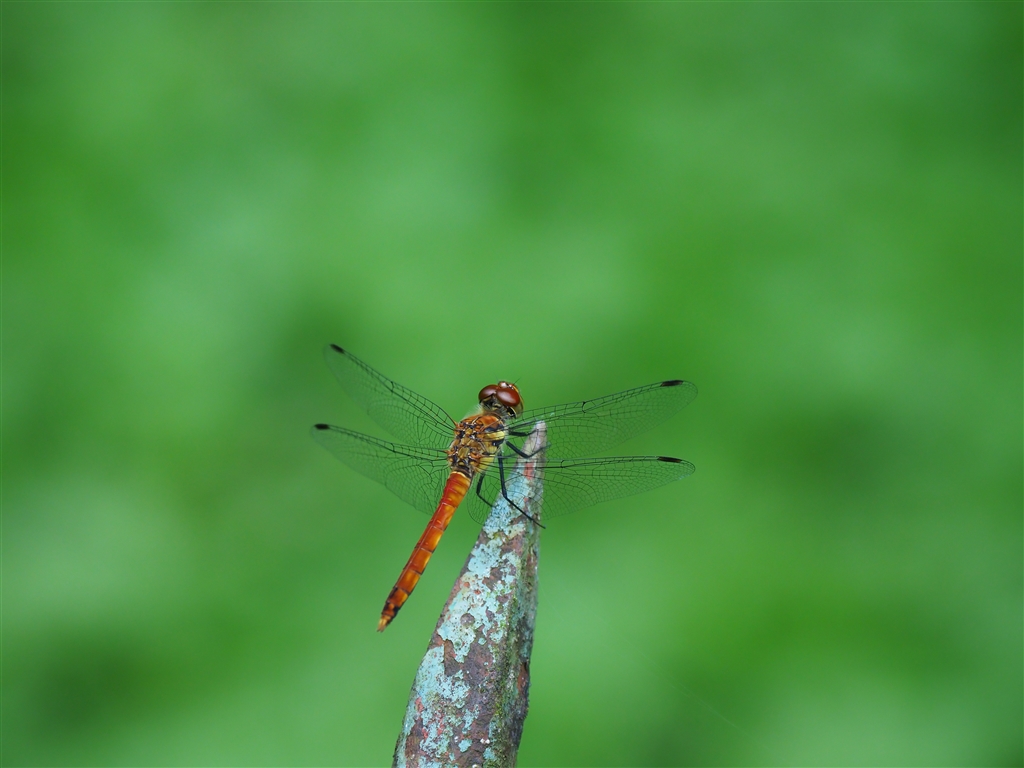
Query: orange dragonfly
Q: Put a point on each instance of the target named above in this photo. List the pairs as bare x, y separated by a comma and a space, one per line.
445, 458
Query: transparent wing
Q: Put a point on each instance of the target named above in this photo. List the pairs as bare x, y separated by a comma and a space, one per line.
415, 475
593, 426
573, 484
406, 415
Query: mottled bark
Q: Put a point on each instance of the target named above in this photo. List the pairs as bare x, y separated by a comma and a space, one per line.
470, 696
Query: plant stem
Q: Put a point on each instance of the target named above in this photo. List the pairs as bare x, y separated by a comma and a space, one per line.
470, 697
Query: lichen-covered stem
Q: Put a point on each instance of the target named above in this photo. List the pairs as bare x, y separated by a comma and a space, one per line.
469, 700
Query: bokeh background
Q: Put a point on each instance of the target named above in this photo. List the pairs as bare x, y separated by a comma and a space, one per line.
813, 211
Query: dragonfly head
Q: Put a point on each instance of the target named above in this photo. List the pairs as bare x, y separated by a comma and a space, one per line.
501, 397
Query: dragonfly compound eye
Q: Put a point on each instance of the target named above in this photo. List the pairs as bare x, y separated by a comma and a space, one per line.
508, 395
487, 392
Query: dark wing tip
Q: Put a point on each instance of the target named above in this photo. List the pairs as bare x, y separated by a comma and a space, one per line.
685, 470
336, 348
681, 383
321, 426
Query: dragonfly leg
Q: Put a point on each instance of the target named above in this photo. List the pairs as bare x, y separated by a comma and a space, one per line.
504, 493
524, 454
520, 452
479, 490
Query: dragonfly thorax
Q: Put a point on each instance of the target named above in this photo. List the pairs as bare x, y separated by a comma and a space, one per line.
478, 439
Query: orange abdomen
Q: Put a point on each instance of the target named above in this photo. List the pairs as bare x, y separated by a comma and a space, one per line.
454, 492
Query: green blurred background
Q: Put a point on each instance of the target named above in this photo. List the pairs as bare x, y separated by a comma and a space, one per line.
813, 211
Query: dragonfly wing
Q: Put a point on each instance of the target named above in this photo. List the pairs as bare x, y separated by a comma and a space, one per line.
573, 484
593, 426
405, 414
415, 475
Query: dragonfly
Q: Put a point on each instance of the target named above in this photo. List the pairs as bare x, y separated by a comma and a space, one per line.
443, 463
